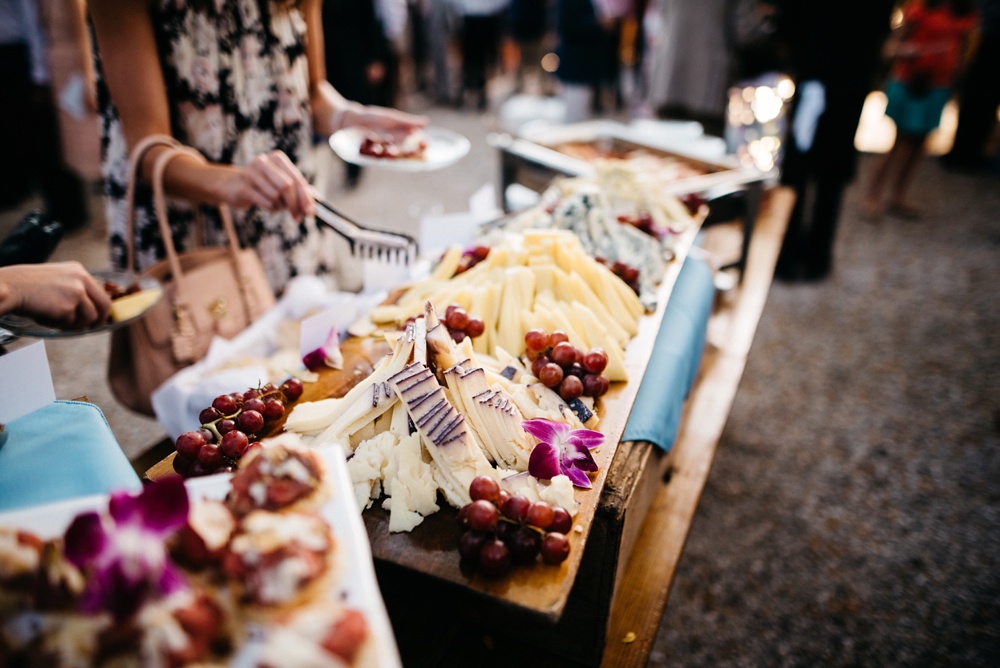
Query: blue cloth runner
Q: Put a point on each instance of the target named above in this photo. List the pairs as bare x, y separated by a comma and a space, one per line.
676, 355
62, 450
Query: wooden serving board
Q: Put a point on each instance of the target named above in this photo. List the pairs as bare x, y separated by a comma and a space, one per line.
432, 547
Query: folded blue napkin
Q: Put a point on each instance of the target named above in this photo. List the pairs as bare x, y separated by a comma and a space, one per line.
676, 355
62, 450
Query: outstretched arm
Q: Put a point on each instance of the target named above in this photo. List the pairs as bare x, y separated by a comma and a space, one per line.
331, 110
62, 294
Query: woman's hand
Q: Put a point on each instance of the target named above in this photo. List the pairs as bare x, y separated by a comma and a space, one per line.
270, 181
62, 294
383, 119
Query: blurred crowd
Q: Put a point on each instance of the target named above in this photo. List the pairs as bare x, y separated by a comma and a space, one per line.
667, 59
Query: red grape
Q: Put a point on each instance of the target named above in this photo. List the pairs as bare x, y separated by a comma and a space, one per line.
225, 426
630, 275
562, 521
540, 515
484, 488
273, 409
471, 543
457, 335
563, 353
448, 311
207, 435
250, 422
557, 337
210, 455
502, 499
571, 388
189, 443
551, 375
605, 385
251, 394
591, 385
536, 366
595, 360
494, 558
516, 508
291, 388
524, 545
225, 404
555, 548
458, 319
234, 444
208, 415
483, 515
536, 339
182, 465
480, 252
577, 370
254, 404
475, 328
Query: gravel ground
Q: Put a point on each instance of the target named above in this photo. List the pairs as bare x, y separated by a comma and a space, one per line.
852, 513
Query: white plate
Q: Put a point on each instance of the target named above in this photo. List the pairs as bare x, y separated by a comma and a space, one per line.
444, 148
22, 325
356, 586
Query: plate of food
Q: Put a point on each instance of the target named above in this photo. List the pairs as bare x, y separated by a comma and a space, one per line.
131, 296
423, 150
265, 567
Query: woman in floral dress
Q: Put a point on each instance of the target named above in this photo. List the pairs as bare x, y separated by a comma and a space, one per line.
242, 81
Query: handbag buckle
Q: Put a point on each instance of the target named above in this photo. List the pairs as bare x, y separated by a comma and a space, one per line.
218, 308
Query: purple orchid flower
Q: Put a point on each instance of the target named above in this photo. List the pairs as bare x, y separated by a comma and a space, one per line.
328, 354
561, 451
123, 552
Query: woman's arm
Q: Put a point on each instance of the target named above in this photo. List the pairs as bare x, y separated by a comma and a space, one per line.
132, 69
331, 111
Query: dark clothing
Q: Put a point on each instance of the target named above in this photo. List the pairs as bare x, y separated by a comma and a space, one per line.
353, 39
480, 52
980, 95
837, 44
583, 43
529, 19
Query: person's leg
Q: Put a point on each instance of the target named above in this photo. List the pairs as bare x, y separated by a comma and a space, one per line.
817, 247
884, 165
911, 151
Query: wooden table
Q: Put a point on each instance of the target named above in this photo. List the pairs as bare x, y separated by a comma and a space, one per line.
635, 538
639, 529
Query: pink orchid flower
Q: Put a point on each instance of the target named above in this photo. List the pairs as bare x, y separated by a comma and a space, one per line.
562, 451
123, 552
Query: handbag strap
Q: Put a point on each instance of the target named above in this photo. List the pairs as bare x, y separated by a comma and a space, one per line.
160, 204
134, 164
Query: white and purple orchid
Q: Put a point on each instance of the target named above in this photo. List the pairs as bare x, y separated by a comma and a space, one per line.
123, 552
562, 451
328, 354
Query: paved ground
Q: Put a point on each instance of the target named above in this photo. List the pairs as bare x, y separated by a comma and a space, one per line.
853, 513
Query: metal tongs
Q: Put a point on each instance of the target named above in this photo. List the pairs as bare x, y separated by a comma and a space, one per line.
364, 241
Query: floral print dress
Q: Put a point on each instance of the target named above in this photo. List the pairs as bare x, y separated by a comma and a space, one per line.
237, 82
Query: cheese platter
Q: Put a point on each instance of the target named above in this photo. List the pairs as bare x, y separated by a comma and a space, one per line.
560, 348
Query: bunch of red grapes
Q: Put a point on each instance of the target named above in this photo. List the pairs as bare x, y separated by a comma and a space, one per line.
471, 257
624, 271
565, 368
229, 425
643, 221
501, 529
460, 324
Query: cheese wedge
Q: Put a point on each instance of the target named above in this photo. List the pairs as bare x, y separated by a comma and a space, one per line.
129, 306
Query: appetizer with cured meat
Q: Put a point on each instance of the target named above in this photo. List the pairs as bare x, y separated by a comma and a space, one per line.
325, 635
378, 145
277, 477
278, 559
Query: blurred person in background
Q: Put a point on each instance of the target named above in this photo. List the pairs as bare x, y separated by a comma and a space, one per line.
687, 61
29, 127
833, 56
530, 26
394, 17
979, 97
481, 25
356, 54
443, 20
926, 52
584, 40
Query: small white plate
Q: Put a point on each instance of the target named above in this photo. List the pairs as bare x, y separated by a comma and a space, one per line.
444, 148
